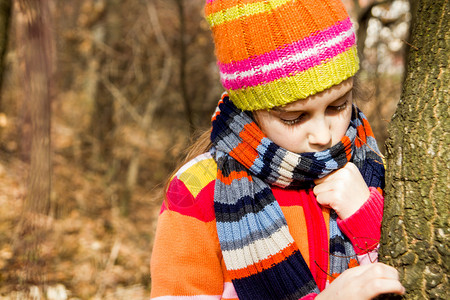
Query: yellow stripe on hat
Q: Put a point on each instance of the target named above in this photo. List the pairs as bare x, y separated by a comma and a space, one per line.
246, 10
286, 90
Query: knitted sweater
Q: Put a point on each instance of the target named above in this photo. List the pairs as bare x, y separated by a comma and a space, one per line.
187, 260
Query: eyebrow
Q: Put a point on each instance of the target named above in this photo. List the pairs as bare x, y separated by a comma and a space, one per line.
282, 109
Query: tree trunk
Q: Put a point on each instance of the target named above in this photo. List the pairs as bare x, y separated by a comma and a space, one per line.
102, 122
5, 16
415, 232
183, 63
35, 41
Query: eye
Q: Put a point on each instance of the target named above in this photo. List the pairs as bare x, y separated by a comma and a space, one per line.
341, 104
291, 118
338, 108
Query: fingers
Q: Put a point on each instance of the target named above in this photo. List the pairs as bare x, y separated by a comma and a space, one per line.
327, 178
380, 270
344, 190
376, 270
364, 283
380, 279
349, 167
325, 199
326, 183
384, 286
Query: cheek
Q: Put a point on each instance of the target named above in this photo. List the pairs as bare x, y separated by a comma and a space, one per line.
292, 139
341, 126
280, 134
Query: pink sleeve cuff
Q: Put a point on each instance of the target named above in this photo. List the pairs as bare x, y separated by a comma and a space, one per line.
308, 297
364, 226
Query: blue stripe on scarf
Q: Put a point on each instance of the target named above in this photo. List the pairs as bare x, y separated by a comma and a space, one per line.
231, 242
239, 196
252, 222
269, 153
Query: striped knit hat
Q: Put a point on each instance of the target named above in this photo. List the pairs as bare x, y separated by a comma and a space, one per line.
273, 52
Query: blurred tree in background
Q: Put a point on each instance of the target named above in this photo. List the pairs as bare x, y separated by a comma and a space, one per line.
5, 17
132, 82
34, 38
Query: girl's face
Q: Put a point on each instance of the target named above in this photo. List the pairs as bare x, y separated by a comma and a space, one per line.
312, 124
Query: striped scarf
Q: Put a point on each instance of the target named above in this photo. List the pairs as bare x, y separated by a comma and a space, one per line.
260, 254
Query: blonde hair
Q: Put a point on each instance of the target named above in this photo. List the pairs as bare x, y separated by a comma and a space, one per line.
201, 145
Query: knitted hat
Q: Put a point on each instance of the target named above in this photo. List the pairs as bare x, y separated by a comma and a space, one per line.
273, 52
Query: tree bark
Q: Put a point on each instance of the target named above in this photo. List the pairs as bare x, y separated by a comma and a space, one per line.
35, 41
183, 63
102, 122
5, 16
415, 229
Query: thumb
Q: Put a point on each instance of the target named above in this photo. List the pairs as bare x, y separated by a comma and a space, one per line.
328, 176
318, 180
323, 179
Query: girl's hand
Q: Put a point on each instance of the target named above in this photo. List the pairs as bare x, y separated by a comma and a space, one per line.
363, 282
344, 190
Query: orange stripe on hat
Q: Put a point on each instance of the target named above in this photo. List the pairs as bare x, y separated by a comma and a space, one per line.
260, 33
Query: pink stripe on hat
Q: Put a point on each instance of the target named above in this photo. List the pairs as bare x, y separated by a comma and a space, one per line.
306, 44
284, 69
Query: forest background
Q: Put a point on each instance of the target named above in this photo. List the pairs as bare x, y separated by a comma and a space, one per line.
131, 83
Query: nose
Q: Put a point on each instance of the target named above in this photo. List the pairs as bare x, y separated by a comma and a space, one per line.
319, 134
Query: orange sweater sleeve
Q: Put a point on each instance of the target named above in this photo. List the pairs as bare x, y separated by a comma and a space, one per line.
186, 260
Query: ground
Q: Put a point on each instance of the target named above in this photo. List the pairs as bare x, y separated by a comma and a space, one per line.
89, 253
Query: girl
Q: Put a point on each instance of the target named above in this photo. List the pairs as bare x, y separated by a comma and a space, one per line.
286, 200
